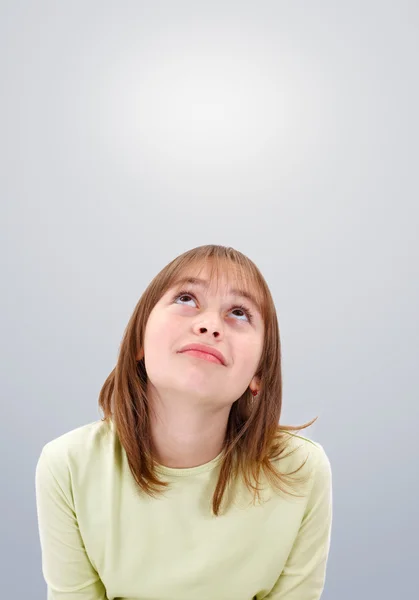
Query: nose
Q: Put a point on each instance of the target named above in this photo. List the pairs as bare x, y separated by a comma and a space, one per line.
211, 325
216, 334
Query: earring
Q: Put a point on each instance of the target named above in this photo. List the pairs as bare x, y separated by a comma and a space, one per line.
254, 392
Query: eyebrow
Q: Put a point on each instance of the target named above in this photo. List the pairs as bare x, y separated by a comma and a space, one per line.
205, 284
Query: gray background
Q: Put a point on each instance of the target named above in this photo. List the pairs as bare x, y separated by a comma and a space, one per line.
134, 131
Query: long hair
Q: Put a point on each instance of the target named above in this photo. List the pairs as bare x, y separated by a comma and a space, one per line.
254, 437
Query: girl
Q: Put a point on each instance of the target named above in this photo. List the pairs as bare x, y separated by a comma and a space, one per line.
189, 488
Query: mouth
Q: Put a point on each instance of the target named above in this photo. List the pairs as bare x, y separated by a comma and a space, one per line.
204, 352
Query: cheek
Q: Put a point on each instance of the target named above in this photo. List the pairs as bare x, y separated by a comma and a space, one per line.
248, 354
156, 344
160, 336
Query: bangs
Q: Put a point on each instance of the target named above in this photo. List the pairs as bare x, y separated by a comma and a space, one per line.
242, 279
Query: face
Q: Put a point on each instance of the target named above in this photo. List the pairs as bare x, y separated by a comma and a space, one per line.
220, 319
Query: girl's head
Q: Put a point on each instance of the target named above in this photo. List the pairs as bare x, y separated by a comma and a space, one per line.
210, 296
215, 296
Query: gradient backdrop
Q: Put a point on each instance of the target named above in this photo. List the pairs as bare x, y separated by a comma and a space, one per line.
133, 131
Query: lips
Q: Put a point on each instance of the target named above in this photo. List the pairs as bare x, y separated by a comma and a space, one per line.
207, 349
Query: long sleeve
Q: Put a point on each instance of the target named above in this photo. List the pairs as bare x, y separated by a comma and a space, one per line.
67, 570
303, 576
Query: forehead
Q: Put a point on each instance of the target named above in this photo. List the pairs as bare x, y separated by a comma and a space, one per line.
223, 279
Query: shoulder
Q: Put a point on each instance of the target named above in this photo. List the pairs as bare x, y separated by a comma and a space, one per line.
306, 446
306, 454
66, 453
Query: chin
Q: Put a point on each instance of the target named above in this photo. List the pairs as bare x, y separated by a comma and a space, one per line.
202, 390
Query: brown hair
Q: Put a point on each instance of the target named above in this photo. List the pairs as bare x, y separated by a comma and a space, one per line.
254, 437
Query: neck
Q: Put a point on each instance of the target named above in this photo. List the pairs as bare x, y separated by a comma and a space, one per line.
187, 434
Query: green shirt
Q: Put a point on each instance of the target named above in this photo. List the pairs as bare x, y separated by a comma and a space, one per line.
102, 538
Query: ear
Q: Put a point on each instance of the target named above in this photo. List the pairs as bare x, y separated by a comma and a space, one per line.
254, 385
140, 355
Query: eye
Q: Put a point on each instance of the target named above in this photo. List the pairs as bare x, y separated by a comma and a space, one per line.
245, 310
183, 294
180, 299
